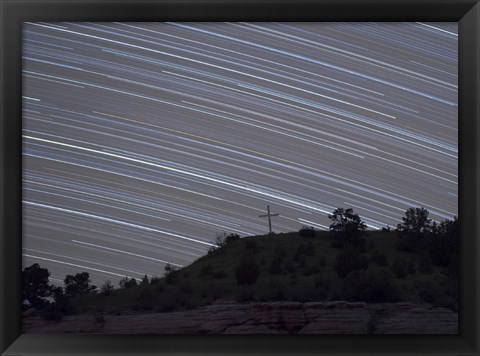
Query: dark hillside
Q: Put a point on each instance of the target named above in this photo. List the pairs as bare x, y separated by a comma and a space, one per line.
287, 267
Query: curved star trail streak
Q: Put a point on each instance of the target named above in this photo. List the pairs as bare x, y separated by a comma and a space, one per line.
142, 141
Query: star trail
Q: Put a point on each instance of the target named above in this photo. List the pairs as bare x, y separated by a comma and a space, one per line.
142, 141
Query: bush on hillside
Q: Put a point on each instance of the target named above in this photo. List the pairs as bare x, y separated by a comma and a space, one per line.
379, 258
106, 288
275, 266
126, 283
425, 265
400, 267
306, 249
374, 285
349, 260
247, 271
307, 231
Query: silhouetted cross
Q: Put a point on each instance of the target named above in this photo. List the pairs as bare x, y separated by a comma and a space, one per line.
269, 218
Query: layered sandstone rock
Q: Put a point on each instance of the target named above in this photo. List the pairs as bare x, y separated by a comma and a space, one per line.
264, 318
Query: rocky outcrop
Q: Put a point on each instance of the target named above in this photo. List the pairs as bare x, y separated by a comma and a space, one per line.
264, 318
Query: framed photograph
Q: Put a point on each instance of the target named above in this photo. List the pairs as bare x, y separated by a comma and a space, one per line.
256, 177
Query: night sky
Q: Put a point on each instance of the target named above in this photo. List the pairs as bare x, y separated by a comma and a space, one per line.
142, 141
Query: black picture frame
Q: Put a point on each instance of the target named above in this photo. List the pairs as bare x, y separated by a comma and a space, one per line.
14, 12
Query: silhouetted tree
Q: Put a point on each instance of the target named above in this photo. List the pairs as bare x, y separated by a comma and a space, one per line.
347, 228
145, 280
169, 268
106, 288
415, 222
222, 240
171, 273
127, 283
414, 228
443, 243
61, 306
79, 284
35, 287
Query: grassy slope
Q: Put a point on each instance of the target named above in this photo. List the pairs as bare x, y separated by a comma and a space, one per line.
309, 276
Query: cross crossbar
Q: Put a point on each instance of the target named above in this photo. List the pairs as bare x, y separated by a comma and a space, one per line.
269, 215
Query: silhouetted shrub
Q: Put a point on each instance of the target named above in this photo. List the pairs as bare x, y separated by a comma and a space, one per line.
206, 270
127, 283
379, 259
275, 291
310, 270
251, 245
302, 262
400, 267
412, 266
296, 256
307, 231
245, 293
146, 299
445, 287
322, 282
145, 281
169, 268
223, 239
409, 243
106, 288
429, 291
425, 265
52, 312
279, 251
290, 267
322, 261
349, 260
307, 294
154, 280
307, 249
376, 286
445, 301
62, 302
275, 266
371, 245
219, 274
247, 271
167, 301
171, 273
185, 286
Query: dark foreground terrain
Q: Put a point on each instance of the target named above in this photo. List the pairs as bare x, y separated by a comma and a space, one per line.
285, 283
